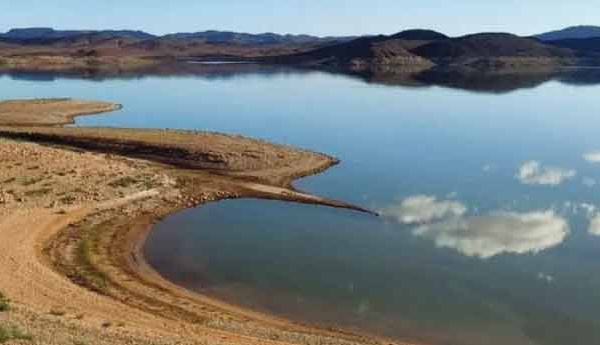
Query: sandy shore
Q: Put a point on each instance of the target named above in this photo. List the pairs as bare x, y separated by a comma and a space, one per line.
76, 206
49, 112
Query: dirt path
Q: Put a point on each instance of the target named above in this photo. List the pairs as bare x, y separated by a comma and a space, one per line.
33, 286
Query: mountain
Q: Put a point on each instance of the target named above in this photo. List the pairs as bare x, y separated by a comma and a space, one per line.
25, 34
246, 38
419, 35
409, 49
358, 54
574, 32
423, 47
411, 39
489, 46
49, 35
583, 46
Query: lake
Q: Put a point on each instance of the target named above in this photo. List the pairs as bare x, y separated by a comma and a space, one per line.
487, 184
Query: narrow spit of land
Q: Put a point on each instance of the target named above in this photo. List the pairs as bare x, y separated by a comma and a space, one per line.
76, 205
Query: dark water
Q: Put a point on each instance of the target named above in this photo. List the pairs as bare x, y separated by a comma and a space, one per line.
487, 184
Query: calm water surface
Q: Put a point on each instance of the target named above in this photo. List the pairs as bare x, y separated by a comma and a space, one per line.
488, 185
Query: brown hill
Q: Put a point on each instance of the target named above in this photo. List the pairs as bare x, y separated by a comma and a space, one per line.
584, 46
489, 48
357, 54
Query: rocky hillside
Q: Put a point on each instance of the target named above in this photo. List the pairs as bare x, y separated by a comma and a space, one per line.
229, 37
583, 46
382, 51
424, 47
490, 48
417, 48
36, 42
419, 35
49, 36
573, 32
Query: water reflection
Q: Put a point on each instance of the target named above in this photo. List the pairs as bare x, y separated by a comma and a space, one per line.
489, 81
446, 224
419, 274
588, 182
498, 233
423, 209
534, 173
592, 157
594, 228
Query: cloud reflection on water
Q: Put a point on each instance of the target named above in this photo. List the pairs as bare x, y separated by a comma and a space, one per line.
534, 173
498, 233
594, 227
592, 157
446, 224
419, 209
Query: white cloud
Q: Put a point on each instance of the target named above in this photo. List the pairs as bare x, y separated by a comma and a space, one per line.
420, 209
497, 233
594, 227
588, 182
487, 168
575, 209
588, 208
446, 224
533, 172
545, 277
592, 157
593, 215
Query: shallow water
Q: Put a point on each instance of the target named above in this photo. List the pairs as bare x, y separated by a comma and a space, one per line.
487, 183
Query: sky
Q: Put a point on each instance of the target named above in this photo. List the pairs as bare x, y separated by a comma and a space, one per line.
317, 17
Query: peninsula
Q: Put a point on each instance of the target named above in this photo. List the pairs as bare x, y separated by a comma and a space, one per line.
77, 203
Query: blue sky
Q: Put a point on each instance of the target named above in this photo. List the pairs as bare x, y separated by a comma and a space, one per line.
321, 17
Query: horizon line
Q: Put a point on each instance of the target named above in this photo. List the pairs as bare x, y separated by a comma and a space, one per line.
287, 33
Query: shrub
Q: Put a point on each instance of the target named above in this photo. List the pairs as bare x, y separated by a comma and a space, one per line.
3, 303
11, 332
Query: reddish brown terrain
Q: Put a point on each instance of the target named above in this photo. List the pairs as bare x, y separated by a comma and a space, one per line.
76, 205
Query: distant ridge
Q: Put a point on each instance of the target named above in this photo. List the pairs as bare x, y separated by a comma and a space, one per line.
408, 49
213, 36
365, 52
419, 35
43, 35
424, 47
581, 45
573, 32
48, 34
485, 45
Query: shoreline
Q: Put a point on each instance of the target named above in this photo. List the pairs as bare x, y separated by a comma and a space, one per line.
115, 266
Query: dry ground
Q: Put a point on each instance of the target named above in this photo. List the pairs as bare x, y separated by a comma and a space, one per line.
39, 112
75, 206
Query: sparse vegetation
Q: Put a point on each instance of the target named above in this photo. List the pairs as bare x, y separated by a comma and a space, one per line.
90, 277
81, 253
68, 200
11, 332
57, 312
28, 181
38, 192
123, 182
3, 303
